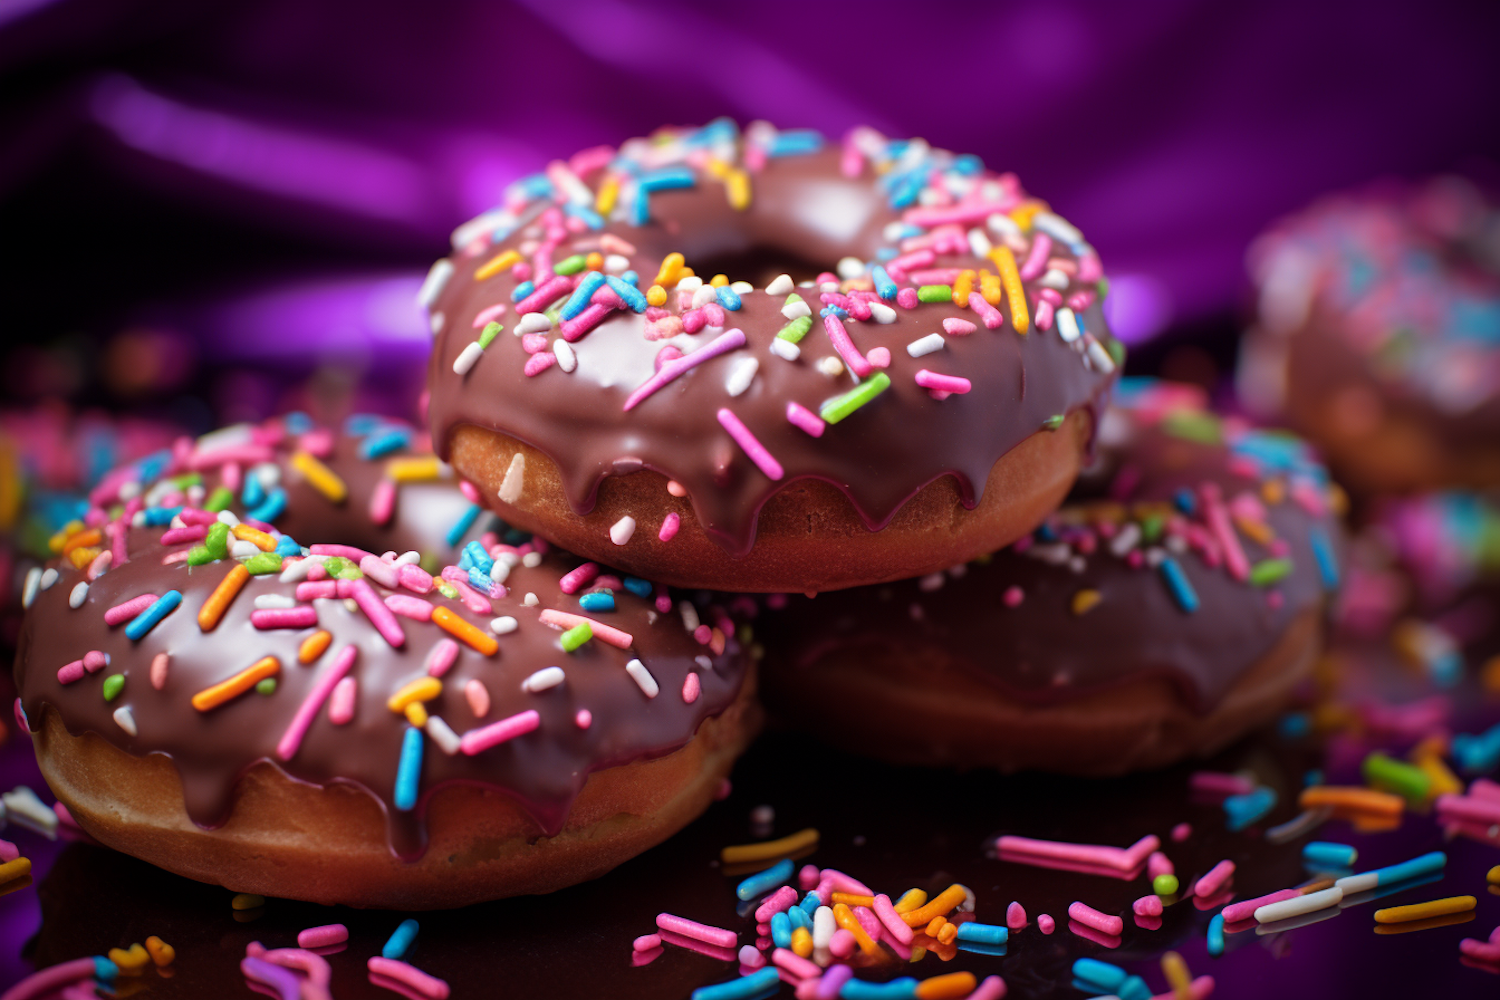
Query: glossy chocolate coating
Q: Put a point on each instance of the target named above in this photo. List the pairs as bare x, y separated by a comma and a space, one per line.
803, 208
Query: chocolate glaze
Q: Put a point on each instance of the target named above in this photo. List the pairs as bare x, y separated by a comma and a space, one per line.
543, 770
1041, 651
803, 207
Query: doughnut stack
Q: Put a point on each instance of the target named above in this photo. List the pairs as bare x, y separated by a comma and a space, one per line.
709, 407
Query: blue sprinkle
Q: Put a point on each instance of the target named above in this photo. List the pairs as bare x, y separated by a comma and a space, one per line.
1177, 583
904, 988
884, 286
1134, 988
907, 189
297, 422
480, 580
383, 443
744, 987
579, 301
409, 770
522, 290
763, 882
271, 508
968, 165
1242, 810
254, 492
631, 278
983, 933
834, 311
811, 902
1313, 777
637, 586
628, 293
148, 619
667, 179
1185, 500
1105, 976
478, 558
728, 298
887, 253
598, 600
1045, 532
400, 941
154, 465
530, 186
799, 917
640, 209
104, 969
286, 545
1328, 567
1326, 853
781, 930
157, 516
590, 218
795, 142
1216, 935
463, 524
1294, 725
360, 424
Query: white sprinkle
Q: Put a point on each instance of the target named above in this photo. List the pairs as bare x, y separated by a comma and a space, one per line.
1100, 357
268, 473
130, 490
533, 323
642, 677
849, 267
408, 558
1057, 227
515, 476
621, 530
689, 614
297, 571
1077, 564
926, 345
433, 284
275, 601
796, 308
882, 313
616, 264
830, 366
467, 358
547, 677
703, 661
979, 244
351, 605
931, 582
443, 735
1126, 540
1056, 553
436, 321
763, 815
49, 577
829, 286
741, 287
1053, 279
567, 360
500, 570
531, 560
823, 927
704, 295
177, 522
894, 231
225, 437
1067, 325
196, 493
958, 572
741, 374
125, 719
1176, 544
690, 284
780, 285
530, 601
24, 808
1154, 556
242, 549
1003, 225
504, 625
228, 517
33, 582
783, 348
509, 558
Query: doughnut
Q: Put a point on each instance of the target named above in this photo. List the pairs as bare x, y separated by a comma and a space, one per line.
765, 362
337, 725
1378, 335
1171, 605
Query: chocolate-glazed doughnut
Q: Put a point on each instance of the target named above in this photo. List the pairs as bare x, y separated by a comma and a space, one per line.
1171, 605
307, 720
1377, 335
606, 386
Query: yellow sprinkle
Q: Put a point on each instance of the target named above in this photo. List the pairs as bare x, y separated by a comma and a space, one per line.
1440, 780
421, 689
770, 849
14, 869
671, 269
853, 899
989, 286
1421, 911
247, 901
416, 714
609, 192
414, 470
718, 167
1015, 292
962, 287
57, 541
259, 538
738, 186
1084, 600
82, 557
131, 961
323, 479
911, 899
802, 942
1178, 978
1023, 213
719, 280
1493, 876
83, 539
656, 296
161, 952
500, 262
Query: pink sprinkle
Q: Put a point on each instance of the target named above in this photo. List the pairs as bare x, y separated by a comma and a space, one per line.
442, 657
844, 345
328, 679
383, 501
410, 607
928, 217
429, 986
1036, 260
778, 902
302, 616
1147, 906
725, 342
956, 327
1045, 923
1245, 908
842, 943
380, 571
1219, 783
128, 610
669, 526
807, 876
1211, 883
1012, 596
349, 552
1090, 917
100, 565
538, 363
341, 703
846, 883
548, 290
750, 957
181, 536
794, 963
414, 578
159, 666
886, 913
690, 688
473, 600
576, 579
95, 661
943, 383
1181, 832
646, 942
8, 851
602, 632
1159, 864
762, 458
584, 719
1015, 916
488, 316
906, 298
70, 672
533, 343
699, 932
993, 988
478, 740
573, 329
478, 697
316, 589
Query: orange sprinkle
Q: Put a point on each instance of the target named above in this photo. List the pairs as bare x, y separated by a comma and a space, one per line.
1257, 531
989, 287
313, 646
1350, 797
213, 697
962, 287
947, 934
261, 540
845, 918
1273, 491
460, 629
594, 261
57, 541
942, 904
850, 899
935, 928
1489, 674
947, 987
218, 601
1015, 292
82, 557
91, 537
500, 262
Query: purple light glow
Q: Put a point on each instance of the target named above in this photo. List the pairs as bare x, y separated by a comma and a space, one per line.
1138, 307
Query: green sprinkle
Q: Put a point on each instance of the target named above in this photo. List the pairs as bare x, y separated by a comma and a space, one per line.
1053, 422
349, 572
1268, 571
793, 297
839, 407
1103, 287
113, 684
487, 335
446, 589
577, 636
1397, 776
1151, 527
266, 686
570, 265
219, 499
1201, 427
935, 293
431, 563
555, 314
1116, 349
187, 479
217, 540
796, 329
335, 565
199, 555
262, 563
1164, 885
